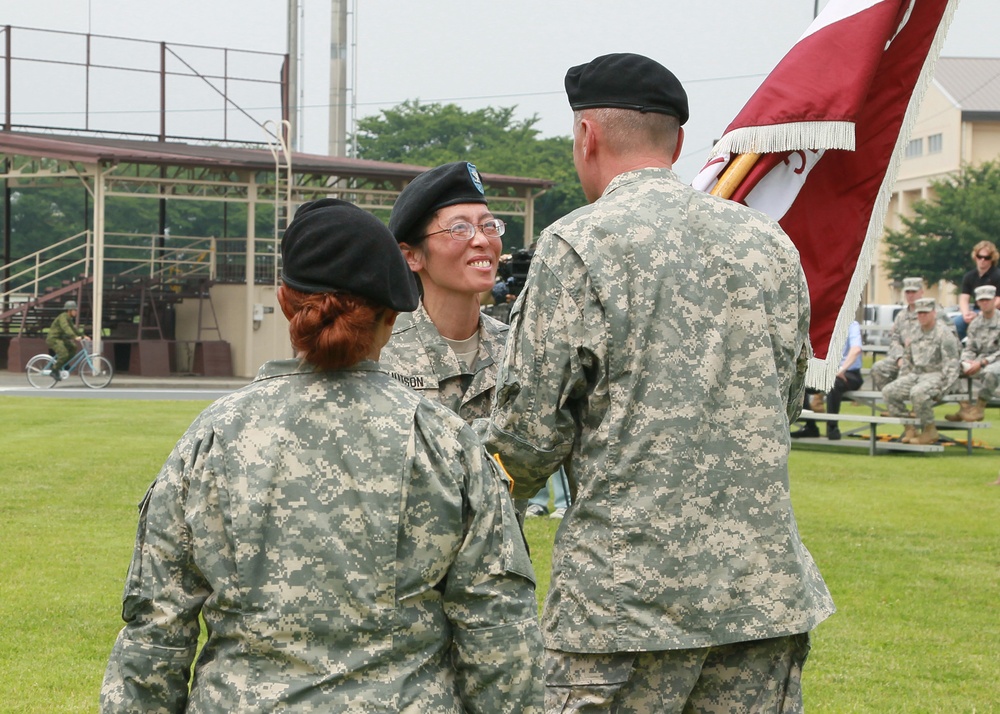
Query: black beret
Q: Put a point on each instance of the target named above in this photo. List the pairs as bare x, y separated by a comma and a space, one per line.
626, 81
334, 246
446, 185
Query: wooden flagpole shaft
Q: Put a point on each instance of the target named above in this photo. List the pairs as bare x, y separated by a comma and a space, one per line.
735, 173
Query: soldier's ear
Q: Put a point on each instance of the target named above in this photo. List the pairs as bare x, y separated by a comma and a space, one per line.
680, 144
414, 256
286, 308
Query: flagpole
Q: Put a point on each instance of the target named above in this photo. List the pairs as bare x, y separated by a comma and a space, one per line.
740, 166
737, 170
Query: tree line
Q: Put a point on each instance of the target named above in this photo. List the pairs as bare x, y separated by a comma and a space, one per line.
934, 243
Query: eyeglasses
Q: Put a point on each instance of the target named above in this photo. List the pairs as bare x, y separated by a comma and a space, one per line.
463, 230
984, 257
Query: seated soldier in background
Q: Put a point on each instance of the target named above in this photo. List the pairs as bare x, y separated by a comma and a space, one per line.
981, 354
904, 326
929, 367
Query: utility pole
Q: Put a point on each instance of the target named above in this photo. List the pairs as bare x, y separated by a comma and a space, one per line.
293, 73
338, 78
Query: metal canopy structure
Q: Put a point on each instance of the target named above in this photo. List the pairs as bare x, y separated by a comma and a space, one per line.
114, 152
169, 122
174, 171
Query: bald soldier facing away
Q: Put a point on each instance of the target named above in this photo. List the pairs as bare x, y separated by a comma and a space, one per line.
658, 352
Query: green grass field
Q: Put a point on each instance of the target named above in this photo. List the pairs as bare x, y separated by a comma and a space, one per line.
908, 544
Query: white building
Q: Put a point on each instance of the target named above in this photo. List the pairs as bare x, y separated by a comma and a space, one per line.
958, 125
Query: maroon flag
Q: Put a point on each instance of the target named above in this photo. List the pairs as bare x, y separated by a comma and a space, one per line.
831, 122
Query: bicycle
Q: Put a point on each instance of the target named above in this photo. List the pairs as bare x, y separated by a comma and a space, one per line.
95, 371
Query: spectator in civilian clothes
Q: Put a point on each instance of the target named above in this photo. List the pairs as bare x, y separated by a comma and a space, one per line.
848, 379
985, 273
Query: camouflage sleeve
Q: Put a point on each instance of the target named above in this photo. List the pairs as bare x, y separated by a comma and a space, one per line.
896, 344
907, 366
481, 427
797, 387
542, 378
489, 595
973, 346
970, 351
797, 390
790, 339
980, 343
952, 367
990, 356
150, 663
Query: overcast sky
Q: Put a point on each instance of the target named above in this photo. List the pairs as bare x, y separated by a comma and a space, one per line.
476, 53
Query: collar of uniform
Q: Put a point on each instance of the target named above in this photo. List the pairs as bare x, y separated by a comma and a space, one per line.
433, 359
495, 329
290, 367
640, 175
437, 357
440, 356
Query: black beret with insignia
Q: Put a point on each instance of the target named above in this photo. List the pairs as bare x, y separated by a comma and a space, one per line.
446, 185
626, 81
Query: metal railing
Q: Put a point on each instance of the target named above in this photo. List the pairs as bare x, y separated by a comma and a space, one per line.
231, 260
159, 256
167, 258
27, 277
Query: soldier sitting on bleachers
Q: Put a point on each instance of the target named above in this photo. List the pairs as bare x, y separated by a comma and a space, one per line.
904, 326
981, 356
929, 367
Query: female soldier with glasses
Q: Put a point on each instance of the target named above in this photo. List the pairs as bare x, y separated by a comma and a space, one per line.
448, 348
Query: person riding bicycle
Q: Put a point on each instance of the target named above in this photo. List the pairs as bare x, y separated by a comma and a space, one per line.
64, 334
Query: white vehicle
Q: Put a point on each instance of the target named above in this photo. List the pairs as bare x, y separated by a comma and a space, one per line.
877, 323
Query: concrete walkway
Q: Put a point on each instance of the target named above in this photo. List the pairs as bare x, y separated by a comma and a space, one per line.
125, 380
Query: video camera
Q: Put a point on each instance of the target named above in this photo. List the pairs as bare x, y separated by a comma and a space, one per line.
513, 269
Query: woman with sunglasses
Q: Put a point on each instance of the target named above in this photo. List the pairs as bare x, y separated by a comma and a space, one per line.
986, 272
448, 349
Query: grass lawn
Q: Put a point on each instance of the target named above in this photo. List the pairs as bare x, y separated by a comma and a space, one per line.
908, 544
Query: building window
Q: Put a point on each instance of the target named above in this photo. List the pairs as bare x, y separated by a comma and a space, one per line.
934, 142
915, 148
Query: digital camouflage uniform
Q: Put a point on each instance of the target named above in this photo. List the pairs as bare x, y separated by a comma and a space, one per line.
350, 547
419, 357
62, 339
983, 342
904, 327
930, 367
659, 350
